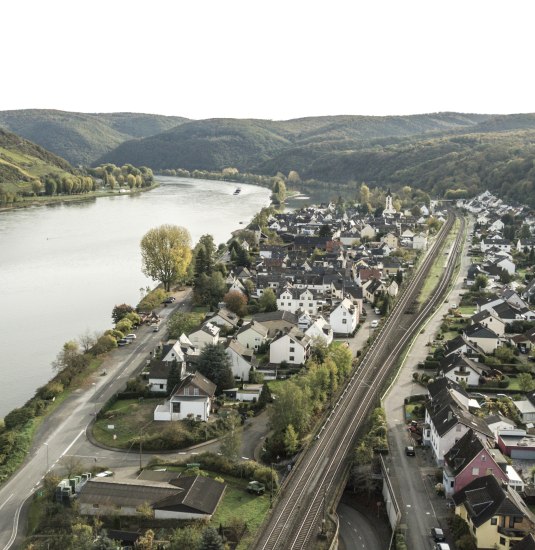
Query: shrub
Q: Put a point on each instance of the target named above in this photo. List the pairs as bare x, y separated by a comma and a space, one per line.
51, 390
124, 326
104, 344
18, 417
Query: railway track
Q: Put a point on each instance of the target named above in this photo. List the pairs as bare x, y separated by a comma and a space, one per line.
296, 519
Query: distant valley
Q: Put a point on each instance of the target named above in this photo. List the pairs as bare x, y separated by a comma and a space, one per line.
445, 154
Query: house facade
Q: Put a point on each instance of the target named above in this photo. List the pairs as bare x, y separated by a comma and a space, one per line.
192, 399
292, 347
344, 318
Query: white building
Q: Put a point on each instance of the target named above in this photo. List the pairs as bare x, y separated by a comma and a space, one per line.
344, 318
241, 359
292, 347
207, 334
192, 398
252, 335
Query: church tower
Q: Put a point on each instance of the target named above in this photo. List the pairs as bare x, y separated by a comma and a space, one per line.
389, 208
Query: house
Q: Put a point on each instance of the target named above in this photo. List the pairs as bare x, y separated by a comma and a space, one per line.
391, 240
241, 360
250, 392
486, 318
497, 422
419, 241
483, 337
207, 334
461, 369
252, 335
293, 347
319, 329
225, 318
275, 321
372, 289
447, 418
192, 398
344, 318
184, 498
292, 299
470, 458
496, 515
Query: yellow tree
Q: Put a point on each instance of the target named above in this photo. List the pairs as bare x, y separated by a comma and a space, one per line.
166, 253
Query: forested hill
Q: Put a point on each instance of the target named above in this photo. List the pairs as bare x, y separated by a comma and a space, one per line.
245, 144
22, 161
82, 138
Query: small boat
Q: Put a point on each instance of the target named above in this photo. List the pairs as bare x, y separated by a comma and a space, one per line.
237, 191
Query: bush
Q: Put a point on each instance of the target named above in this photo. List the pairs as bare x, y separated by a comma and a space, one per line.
104, 344
18, 417
51, 390
124, 326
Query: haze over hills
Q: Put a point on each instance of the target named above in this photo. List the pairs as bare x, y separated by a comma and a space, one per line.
444, 154
82, 138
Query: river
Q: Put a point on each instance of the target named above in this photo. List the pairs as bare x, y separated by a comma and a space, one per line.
64, 267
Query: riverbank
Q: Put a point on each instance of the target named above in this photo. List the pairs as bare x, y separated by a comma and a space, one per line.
29, 202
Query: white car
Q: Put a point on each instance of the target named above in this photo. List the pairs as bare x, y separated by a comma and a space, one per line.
130, 337
374, 323
107, 473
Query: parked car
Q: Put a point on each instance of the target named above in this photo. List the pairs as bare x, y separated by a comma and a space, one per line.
123, 342
169, 300
130, 337
441, 546
438, 534
377, 311
107, 473
409, 450
155, 328
374, 323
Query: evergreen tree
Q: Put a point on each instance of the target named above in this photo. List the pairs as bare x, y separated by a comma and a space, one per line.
214, 363
211, 540
174, 376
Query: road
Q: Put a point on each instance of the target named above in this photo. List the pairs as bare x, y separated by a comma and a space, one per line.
63, 433
356, 531
413, 477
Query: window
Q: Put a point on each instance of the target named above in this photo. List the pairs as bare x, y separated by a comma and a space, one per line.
452, 483
176, 407
475, 471
195, 391
292, 349
161, 386
511, 522
483, 458
494, 521
186, 391
301, 304
502, 541
344, 321
291, 357
489, 471
310, 304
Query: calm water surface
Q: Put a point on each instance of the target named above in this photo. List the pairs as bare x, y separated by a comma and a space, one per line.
64, 267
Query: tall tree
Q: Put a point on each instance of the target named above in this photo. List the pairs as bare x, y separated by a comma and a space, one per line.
268, 301
236, 302
174, 376
166, 253
210, 289
214, 363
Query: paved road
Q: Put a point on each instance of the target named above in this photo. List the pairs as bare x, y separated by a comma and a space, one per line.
356, 531
413, 476
63, 433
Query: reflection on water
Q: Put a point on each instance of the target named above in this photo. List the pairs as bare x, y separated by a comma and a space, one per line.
64, 267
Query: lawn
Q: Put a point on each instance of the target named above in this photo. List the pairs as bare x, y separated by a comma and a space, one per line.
238, 503
127, 416
467, 310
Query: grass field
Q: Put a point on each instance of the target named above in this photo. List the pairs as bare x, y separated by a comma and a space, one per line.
127, 416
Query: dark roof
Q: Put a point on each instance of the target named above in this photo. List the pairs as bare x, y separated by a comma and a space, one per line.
484, 498
199, 494
464, 451
527, 543
159, 369
196, 379
479, 331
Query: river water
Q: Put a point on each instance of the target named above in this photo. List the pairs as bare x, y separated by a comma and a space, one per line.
64, 267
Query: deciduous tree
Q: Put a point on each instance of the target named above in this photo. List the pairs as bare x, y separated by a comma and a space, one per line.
236, 302
268, 301
214, 363
166, 253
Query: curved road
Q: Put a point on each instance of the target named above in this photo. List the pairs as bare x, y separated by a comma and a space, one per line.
62, 433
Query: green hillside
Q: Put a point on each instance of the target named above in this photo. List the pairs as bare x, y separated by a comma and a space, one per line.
82, 138
22, 162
